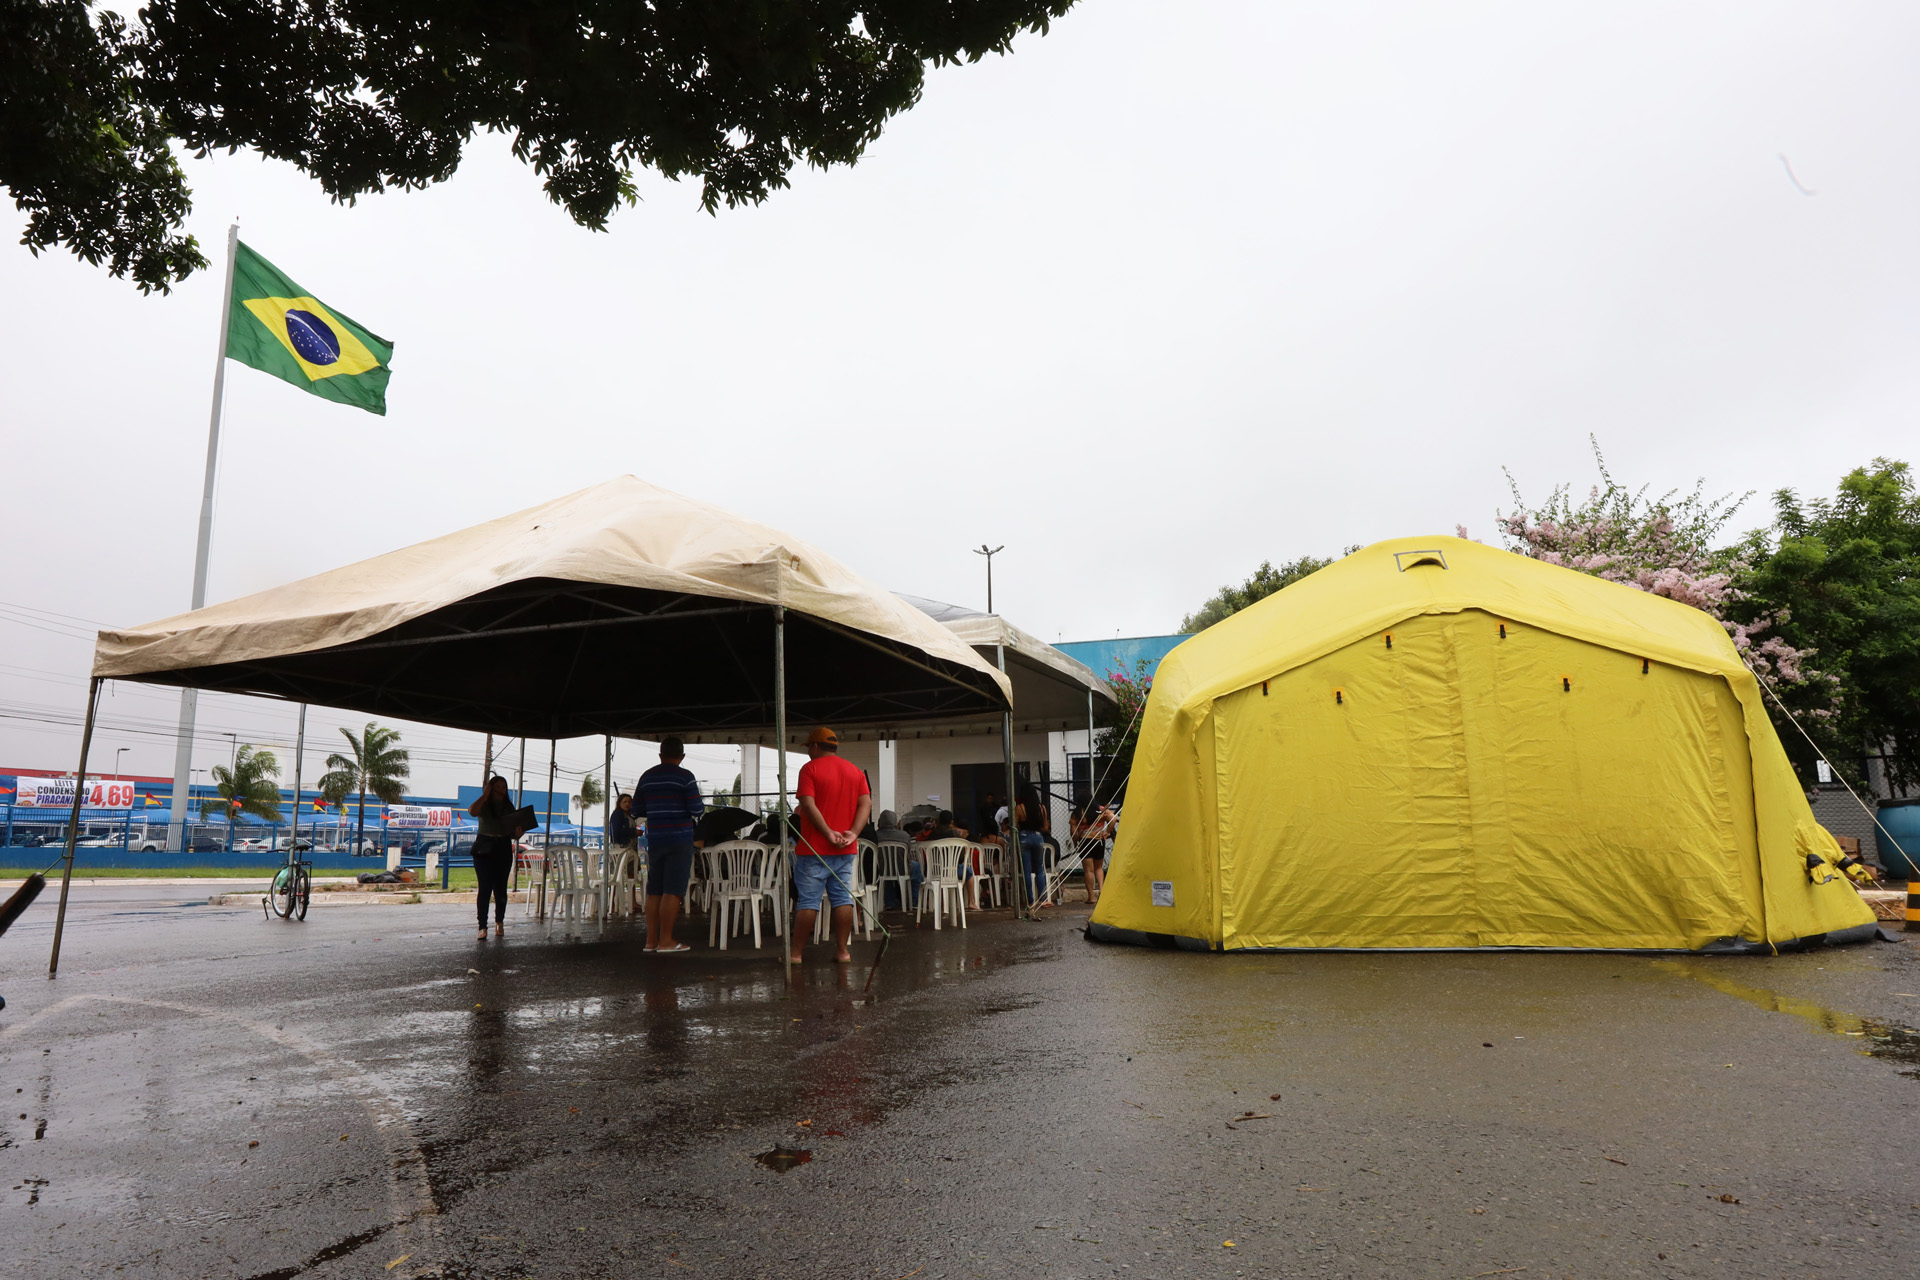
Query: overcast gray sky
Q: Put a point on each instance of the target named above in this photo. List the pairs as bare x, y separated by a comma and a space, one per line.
1169, 291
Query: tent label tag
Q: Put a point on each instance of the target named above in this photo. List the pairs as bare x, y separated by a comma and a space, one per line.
1163, 893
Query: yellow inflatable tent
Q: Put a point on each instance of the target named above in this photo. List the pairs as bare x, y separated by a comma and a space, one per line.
1433, 743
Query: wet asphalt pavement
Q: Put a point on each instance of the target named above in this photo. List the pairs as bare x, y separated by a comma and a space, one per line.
1014, 1101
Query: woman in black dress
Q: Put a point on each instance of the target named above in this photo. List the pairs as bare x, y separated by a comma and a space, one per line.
493, 850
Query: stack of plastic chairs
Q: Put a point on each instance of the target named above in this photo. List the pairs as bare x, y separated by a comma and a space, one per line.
574, 880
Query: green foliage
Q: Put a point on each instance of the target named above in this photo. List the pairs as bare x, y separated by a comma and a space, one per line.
1841, 577
251, 781
377, 764
591, 792
83, 150
1119, 731
364, 95
1266, 580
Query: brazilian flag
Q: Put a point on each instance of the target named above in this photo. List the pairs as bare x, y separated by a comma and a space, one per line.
277, 327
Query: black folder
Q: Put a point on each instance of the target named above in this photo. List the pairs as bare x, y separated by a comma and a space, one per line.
525, 819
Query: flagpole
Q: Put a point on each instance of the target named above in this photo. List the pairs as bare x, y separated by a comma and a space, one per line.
299, 758
190, 698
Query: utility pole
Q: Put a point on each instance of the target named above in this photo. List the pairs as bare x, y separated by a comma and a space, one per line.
982, 550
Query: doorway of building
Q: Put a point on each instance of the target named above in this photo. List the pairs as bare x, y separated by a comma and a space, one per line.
974, 783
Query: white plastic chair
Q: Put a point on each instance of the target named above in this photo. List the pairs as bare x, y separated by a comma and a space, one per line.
866, 890
582, 880
891, 866
528, 862
859, 887
983, 886
739, 885
944, 859
776, 874
624, 880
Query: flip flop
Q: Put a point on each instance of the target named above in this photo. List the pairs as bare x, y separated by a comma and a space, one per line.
675, 949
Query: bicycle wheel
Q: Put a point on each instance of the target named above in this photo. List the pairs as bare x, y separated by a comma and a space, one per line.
303, 892
280, 896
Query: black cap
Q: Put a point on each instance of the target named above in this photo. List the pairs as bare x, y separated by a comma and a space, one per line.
672, 747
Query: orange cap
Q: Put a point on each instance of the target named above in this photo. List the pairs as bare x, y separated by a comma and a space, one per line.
823, 735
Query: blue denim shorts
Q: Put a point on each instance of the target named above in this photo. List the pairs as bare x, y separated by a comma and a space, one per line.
811, 878
669, 868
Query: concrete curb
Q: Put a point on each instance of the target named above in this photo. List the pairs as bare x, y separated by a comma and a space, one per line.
391, 898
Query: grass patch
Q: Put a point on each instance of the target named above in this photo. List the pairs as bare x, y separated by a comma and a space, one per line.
149, 873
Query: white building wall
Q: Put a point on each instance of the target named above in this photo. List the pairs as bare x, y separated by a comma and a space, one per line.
924, 773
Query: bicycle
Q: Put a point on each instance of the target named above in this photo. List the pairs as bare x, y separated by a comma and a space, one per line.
291, 891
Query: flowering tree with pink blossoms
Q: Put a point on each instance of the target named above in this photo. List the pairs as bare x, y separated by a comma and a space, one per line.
1666, 546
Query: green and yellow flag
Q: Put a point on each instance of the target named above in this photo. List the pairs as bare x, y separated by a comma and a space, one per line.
279, 328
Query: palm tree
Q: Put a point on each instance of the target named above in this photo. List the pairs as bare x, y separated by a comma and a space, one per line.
591, 793
249, 787
376, 765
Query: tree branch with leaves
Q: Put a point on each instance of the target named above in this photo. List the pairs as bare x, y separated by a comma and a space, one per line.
367, 95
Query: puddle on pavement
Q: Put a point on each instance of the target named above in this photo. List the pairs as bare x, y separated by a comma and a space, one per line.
1878, 1038
781, 1159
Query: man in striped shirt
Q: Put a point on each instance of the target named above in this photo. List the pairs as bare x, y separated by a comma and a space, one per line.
668, 797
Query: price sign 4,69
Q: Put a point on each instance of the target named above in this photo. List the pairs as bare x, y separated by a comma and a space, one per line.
109, 795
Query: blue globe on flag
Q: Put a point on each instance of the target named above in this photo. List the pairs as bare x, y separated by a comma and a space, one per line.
311, 337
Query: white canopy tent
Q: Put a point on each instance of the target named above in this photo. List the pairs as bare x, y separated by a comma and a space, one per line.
621, 610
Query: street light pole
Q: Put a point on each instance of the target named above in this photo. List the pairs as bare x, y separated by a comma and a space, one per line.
982, 550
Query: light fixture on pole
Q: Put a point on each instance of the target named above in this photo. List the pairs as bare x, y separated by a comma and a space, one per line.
117, 753
982, 550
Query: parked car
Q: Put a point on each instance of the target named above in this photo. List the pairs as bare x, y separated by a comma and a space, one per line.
206, 844
148, 844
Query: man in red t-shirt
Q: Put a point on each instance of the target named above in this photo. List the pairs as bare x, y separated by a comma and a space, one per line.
834, 805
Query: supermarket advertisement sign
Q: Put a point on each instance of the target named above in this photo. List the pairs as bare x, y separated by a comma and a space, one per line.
418, 815
57, 793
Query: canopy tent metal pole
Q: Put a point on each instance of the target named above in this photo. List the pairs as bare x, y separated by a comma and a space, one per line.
1013, 818
606, 800
1093, 773
73, 825
780, 764
1093, 782
520, 780
299, 760
190, 698
546, 836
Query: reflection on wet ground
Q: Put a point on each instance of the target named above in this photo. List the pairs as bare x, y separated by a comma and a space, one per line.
1878, 1037
1010, 1100
781, 1159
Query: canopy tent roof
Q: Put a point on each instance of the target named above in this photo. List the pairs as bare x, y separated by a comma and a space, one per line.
622, 609
1049, 688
